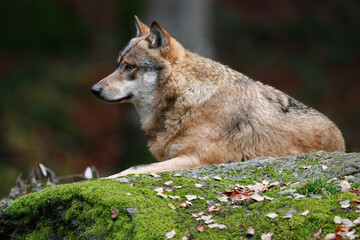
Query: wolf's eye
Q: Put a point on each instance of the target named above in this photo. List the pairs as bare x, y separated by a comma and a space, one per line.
129, 67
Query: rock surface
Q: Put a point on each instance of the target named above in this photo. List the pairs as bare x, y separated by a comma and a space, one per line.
148, 207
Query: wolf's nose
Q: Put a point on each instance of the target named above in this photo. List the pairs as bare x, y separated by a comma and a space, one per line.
96, 90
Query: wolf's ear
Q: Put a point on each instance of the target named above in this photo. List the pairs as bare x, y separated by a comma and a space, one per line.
158, 37
141, 28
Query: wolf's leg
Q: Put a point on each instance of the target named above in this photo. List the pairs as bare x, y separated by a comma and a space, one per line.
174, 164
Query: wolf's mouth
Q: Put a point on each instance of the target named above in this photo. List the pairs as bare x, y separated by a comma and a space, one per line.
128, 97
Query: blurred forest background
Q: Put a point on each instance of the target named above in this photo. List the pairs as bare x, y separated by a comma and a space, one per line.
52, 52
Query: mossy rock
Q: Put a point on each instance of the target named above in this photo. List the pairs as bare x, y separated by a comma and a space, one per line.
129, 208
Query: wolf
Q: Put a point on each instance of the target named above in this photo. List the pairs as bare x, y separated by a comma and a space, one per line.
196, 111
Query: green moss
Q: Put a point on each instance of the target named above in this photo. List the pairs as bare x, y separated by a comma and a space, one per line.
83, 210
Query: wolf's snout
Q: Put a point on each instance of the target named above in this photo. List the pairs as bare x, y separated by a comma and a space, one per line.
96, 90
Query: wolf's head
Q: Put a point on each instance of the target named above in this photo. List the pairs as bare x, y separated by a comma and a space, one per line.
144, 61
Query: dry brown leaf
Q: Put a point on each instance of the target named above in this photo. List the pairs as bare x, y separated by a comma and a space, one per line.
155, 175
345, 185
337, 220
190, 197
341, 228
272, 215
209, 221
168, 183
223, 199
183, 205
175, 198
114, 213
330, 236
354, 201
257, 197
205, 218
317, 233
172, 206
250, 231
217, 178
213, 209
170, 234
200, 229
345, 204
159, 190
267, 236
304, 213
306, 167
216, 225
357, 221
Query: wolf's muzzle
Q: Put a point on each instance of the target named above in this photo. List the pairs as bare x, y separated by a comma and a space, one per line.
96, 90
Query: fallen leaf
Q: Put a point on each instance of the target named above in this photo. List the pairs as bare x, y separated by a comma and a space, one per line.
297, 196
272, 215
183, 205
168, 183
177, 175
217, 178
223, 199
213, 209
267, 236
357, 221
341, 228
190, 197
185, 238
337, 220
200, 229
177, 187
330, 236
175, 198
351, 234
216, 225
172, 206
304, 213
317, 233
257, 187
209, 221
159, 190
306, 167
345, 204
189, 203
162, 195
323, 191
250, 231
345, 185
257, 197
287, 216
265, 182
347, 223
114, 213
155, 175
239, 197
205, 218
198, 185
170, 234
354, 201
129, 194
